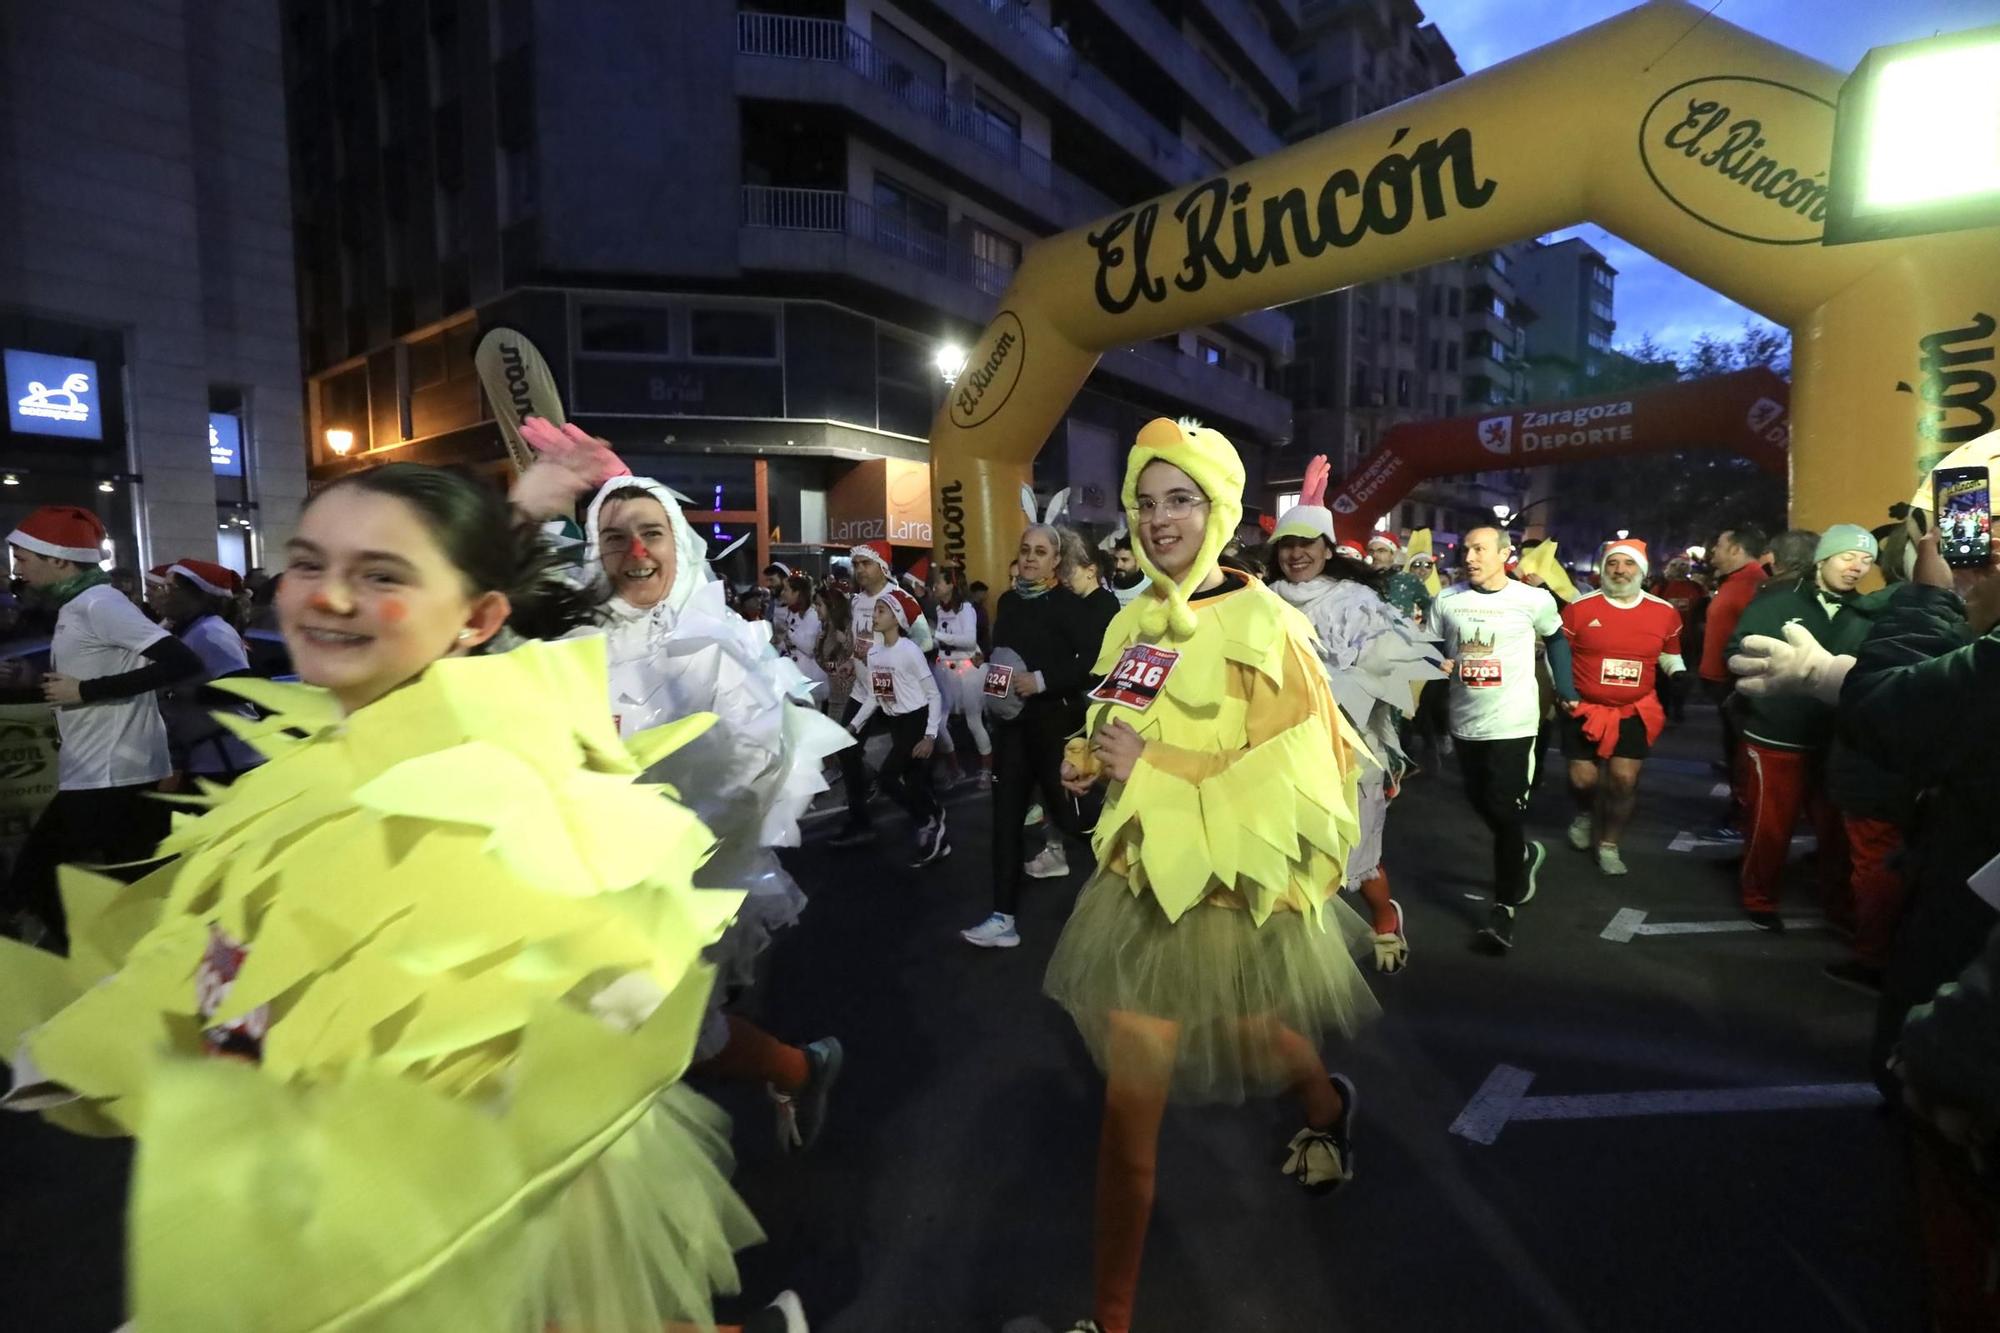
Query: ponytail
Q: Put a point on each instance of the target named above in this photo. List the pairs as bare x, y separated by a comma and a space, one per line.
494, 547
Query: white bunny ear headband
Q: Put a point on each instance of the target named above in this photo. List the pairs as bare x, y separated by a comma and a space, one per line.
1057, 504
1118, 534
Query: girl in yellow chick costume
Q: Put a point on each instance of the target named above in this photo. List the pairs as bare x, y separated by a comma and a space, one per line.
448, 953
1208, 955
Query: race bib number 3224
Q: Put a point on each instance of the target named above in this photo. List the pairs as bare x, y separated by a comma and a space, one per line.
1137, 679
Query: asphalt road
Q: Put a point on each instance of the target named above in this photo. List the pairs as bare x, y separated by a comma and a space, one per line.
952, 1190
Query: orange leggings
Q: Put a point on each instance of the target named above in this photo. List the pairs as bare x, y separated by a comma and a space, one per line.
1139, 1061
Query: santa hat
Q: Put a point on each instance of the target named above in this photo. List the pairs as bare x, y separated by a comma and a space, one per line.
1388, 537
61, 532
1353, 550
876, 551
902, 606
213, 579
1631, 546
161, 574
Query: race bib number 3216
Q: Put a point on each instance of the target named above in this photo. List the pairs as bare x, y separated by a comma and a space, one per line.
1137, 679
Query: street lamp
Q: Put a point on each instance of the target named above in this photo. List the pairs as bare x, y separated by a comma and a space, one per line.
340, 441
1623, 533
1501, 511
950, 361
1916, 140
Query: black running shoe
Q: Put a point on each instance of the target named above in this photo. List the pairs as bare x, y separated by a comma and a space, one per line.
1322, 1160
1535, 856
1498, 932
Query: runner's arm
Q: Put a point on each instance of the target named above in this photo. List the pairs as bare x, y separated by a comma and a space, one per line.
168, 662
1562, 673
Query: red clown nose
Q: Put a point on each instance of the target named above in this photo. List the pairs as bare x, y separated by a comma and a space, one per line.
637, 550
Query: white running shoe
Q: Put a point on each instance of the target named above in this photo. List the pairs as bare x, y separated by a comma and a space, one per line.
1052, 862
1609, 861
1579, 833
995, 932
1035, 816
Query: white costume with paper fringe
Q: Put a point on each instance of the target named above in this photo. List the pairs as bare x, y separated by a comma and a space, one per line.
1375, 661
755, 772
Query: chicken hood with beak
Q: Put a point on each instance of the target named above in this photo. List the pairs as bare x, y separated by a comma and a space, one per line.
690, 552
1208, 457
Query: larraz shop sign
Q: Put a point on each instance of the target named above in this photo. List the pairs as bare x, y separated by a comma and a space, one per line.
1743, 155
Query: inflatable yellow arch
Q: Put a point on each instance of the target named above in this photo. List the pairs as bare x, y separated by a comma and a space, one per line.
1702, 143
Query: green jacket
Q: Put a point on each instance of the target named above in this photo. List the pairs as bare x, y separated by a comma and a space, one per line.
1798, 723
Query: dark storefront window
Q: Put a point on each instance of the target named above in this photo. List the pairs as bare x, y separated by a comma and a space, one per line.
740, 334
625, 330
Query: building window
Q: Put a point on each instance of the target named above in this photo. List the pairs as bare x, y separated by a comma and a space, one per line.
1388, 329
426, 361
999, 123
1406, 326
1451, 404
1497, 261
1451, 356
1599, 341
624, 330
909, 223
911, 66
737, 335
1402, 388
450, 223
1437, 354
1210, 354
995, 257
1451, 302
1601, 308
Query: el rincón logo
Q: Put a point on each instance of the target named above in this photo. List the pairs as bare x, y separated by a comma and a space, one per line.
1746, 156
1957, 382
1433, 176
991, 372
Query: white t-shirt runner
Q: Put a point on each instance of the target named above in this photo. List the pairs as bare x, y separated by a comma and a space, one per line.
118, 742
1492, 638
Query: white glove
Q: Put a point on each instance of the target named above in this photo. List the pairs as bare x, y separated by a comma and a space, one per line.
1794, 666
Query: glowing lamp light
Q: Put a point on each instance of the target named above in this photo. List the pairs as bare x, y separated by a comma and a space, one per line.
1623, 533
10, 480
1499, 511
340, 441
106, 487
950, 362
1916, 144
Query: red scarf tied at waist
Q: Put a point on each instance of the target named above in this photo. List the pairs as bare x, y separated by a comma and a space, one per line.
1601, 721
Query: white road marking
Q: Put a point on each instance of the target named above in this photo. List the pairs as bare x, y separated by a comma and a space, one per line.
1689, 841
1503, 1097
1631, 922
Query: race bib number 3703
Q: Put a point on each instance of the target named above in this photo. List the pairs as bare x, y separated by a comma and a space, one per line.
1479, 673
1137, 679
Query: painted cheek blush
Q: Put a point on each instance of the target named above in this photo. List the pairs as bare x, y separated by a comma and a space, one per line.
393, 610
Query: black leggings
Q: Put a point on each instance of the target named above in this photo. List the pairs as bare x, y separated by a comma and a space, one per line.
1027, 760
1498, 775
104, 826
905, 779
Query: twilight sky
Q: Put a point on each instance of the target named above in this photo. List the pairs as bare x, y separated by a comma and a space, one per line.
1651, 297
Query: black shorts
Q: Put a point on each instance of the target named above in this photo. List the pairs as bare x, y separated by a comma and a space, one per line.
1632, 742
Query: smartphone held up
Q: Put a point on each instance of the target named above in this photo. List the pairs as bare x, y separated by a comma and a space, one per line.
1963, 503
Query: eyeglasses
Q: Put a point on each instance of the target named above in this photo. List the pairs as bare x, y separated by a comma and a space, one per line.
1178, 505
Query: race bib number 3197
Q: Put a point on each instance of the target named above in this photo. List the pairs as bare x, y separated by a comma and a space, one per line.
1137, 679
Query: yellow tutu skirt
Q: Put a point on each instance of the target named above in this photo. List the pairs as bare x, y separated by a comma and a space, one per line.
1234, 991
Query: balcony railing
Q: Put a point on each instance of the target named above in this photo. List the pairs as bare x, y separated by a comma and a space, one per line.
785, 209
1049, 50
789, 38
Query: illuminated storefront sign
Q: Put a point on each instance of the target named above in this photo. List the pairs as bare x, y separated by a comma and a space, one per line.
225, 444
52, 395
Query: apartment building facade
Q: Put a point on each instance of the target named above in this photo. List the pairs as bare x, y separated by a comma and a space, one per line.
1435, 342
747, 236
1573, 290
148, 336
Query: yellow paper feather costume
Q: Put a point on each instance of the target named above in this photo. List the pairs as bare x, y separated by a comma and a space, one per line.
1214, 905
460, 944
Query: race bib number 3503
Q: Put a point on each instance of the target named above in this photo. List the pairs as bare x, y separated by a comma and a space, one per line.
1621, 671
1137, 679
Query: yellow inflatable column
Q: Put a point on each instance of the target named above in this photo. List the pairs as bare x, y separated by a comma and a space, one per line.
1892, 374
